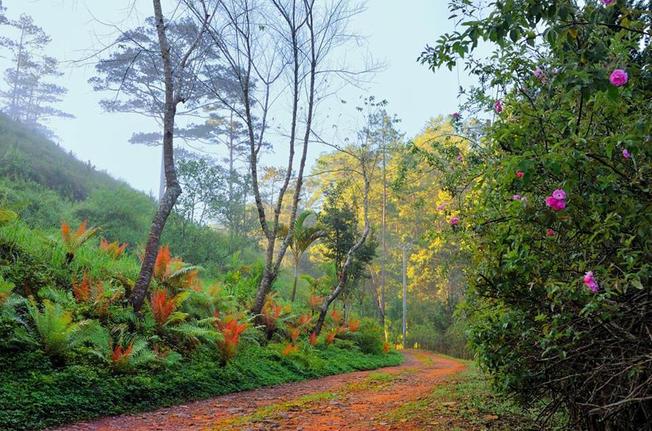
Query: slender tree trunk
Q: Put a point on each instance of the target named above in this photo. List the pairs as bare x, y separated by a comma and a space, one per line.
14, 96
384, 237
344, 272
272, 266
296, 276
404, 326
172, 189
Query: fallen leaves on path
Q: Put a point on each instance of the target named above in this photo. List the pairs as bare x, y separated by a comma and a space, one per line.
356, 401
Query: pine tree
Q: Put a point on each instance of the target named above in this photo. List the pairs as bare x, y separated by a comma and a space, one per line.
30, 95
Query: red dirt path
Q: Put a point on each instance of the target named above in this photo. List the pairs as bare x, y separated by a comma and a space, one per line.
356, 401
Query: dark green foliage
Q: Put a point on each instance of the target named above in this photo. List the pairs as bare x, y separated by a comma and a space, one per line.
35, 395
369, 337
542, 329
36, 205
121, 212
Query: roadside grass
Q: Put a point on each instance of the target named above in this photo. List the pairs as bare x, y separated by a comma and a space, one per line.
276, 411
466, 402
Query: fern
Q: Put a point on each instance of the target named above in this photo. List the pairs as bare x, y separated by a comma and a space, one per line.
174, 273
113, 249
125, 354
57, 333
58, 296
197, 331
73, 240
6, 289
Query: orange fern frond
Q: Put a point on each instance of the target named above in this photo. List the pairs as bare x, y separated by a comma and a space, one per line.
113, 249
162, 306
315, 301
65, 232
83, 227
330, 337
304, 319
386, 347
294, 334
191, 280
271, 312
354, 325
336, 316
120, 355
231, 331
82, 291
289, 349
313, 339
162, 263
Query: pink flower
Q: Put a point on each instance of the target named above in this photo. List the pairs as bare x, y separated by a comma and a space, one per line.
608, 2
559, 194
626, 153
440, 207
555, 204
539, 74
456, 116
459, 158
618, 77
520, 174
498, 106
590, 282
454, 221
516, 197
550, 232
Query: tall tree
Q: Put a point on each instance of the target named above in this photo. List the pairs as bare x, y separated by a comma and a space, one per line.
286, 48
132, 73
31, 96
345, 242
175, 84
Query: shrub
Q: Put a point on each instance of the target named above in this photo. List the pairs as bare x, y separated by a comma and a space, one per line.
369, 337
555, 204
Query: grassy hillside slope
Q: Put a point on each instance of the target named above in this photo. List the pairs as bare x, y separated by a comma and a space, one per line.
46, 186
26, 155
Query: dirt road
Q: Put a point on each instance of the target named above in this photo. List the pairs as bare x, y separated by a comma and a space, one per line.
360, 401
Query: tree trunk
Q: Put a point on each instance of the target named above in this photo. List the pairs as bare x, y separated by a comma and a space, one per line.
344, 272
296, 276
172, 189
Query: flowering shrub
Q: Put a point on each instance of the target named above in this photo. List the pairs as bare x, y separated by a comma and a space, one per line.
560, 298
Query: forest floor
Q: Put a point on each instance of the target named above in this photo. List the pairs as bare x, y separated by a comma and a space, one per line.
426, 392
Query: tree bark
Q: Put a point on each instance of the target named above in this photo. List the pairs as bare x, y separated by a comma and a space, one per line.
172, 187
344, 272
294, 284
272, 265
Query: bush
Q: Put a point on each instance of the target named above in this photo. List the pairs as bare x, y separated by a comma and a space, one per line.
555, 205
369, 337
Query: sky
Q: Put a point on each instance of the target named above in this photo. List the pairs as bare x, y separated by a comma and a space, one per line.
396, 33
